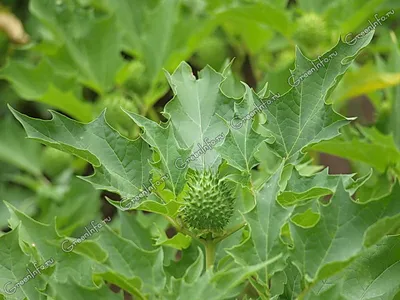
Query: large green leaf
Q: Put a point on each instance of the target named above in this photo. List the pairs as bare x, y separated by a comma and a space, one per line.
70, 290
213, 286
91, 51
121, 165
340, 234
13, 268
371, 276
109, 256
45, 243
374, 148
375, 274
265, 221
130, 266
197, 112
160, 35
301, 188
242, 142
164, 141
42, 84
17, 150
300, 117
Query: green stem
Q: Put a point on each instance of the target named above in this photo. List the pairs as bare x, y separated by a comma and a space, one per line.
153, 114
395, 118
210, 244
211, 248
230, 232
180, 228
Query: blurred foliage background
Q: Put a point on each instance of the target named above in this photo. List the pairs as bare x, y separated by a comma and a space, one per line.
79, 57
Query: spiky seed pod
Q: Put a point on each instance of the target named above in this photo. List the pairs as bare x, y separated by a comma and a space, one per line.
209, 202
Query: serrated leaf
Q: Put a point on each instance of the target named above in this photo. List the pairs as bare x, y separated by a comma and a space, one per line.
89, 50
265, 222
121, 165
301, 188
220, 285
242, 142
197, 110
178, 241
70, 290
38, 237
42, 84
339, 236
300, 117
164, 141
127, 261
13, 268
160, 35
132, 230
373, 275
375, 149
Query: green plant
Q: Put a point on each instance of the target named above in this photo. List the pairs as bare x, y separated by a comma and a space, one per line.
250, 203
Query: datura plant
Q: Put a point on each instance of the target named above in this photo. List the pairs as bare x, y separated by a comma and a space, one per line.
230, 177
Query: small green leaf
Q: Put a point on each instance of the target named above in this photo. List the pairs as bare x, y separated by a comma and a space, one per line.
178, 241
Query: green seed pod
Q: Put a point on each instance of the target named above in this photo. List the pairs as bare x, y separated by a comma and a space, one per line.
311, 30
209, 202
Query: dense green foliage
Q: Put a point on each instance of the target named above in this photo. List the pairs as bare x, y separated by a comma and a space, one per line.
156, 178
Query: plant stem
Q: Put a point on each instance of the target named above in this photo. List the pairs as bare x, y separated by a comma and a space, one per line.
230, 232
211, 248
181, 229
